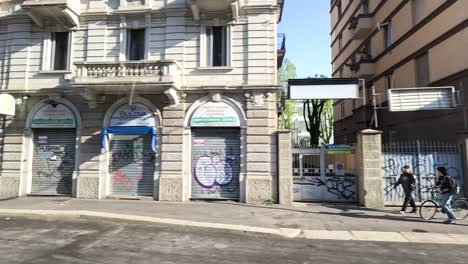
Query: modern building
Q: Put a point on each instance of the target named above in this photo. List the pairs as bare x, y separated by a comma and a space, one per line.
400, 44
170, 99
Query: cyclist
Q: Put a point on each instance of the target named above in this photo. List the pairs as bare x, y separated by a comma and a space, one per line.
408, 182
446, 186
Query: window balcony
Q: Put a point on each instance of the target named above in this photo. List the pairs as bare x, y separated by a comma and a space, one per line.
364, 69
361, 26
66, 12
199, 7
281, 48
119, 76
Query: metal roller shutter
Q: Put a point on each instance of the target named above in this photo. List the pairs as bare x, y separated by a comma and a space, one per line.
53, 161
132, 165
215, 163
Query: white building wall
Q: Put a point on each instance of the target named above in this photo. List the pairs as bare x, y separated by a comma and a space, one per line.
172, 35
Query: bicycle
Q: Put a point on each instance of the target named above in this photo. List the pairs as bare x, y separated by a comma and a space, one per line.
431, 207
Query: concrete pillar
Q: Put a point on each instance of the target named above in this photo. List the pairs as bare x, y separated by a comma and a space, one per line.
464, 144
369, 167
171, 183
260, 151
285, 178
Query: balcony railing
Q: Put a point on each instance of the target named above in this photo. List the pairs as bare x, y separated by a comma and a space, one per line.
156, 72
281, 41
281, 47
363, 69
50, 11
361, 26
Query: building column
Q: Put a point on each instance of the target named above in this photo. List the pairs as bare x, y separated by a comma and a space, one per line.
464, 145
171, 183
261, 150
285, 182
369, 167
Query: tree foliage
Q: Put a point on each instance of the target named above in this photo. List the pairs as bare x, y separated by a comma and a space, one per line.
286, 72
318, 116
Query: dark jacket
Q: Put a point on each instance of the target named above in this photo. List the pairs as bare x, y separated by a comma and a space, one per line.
444, 183
407, 181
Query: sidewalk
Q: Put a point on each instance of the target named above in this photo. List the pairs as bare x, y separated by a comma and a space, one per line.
298, 219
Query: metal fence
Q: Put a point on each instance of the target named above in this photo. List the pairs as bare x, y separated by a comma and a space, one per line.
423, 157
281, 41
319, 175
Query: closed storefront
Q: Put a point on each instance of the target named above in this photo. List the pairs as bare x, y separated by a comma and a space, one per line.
215, 152
215, 163
131, 140
54, 149
131, 165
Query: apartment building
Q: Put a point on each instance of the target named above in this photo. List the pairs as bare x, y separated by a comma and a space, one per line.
400, 44
167, 99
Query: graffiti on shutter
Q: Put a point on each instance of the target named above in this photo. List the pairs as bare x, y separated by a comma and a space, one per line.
132, 165
215, 163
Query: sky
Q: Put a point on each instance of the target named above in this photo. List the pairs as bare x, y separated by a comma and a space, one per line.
307, 27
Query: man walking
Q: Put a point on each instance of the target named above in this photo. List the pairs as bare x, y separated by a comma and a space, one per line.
408, 182
448, 188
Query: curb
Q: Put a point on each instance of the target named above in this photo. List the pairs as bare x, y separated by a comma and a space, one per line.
146, 219
376, 236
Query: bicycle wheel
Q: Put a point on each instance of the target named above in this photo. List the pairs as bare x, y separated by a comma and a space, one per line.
460, 209
428, 209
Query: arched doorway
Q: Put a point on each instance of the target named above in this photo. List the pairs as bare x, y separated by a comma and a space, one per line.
215, 152
54, 147
130, 139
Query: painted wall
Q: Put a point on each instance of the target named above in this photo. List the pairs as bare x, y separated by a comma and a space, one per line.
172, 34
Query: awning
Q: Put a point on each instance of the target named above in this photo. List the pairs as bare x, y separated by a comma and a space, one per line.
129, 131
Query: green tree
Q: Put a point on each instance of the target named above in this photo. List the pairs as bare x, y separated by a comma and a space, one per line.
326, 126
318, 116
286, 72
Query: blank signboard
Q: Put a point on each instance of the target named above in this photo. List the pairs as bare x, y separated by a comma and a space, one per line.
420, 99
323, 88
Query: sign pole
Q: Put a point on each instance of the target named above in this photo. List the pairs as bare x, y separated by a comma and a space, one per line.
374, 104
2, 138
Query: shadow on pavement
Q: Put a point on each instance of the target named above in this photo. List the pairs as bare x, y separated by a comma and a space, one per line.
347, 212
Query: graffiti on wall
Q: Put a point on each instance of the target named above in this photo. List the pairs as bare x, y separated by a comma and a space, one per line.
128, 166
133, 153
122, 181
335, 188
213, 170
58, 163
424, 168
216, 172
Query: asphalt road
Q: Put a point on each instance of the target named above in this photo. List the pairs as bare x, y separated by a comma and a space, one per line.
50, 241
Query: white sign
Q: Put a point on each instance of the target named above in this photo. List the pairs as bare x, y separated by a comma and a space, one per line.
303, 89
136, 114
215, 114
54, 116
42, 139
419, 99
7, 104
339, 168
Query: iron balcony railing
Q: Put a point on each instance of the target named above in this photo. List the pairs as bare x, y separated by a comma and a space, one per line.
281, 41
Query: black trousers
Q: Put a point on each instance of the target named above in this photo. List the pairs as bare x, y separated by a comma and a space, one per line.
409, 198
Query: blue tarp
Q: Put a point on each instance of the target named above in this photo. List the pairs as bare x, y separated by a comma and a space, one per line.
129, 131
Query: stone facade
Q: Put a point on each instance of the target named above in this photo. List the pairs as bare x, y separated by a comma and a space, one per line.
285, 167
171, 80
369, 165
425, 47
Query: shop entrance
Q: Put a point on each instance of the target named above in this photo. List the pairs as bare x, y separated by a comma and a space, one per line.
216, 152
54, 150
131, 140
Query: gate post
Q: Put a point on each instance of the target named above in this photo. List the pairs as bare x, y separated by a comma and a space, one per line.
285, 178
369, 168
464, 144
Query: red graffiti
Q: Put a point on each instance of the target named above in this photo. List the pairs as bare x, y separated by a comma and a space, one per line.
122, 181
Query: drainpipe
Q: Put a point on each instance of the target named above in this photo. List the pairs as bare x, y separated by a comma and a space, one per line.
2, 139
